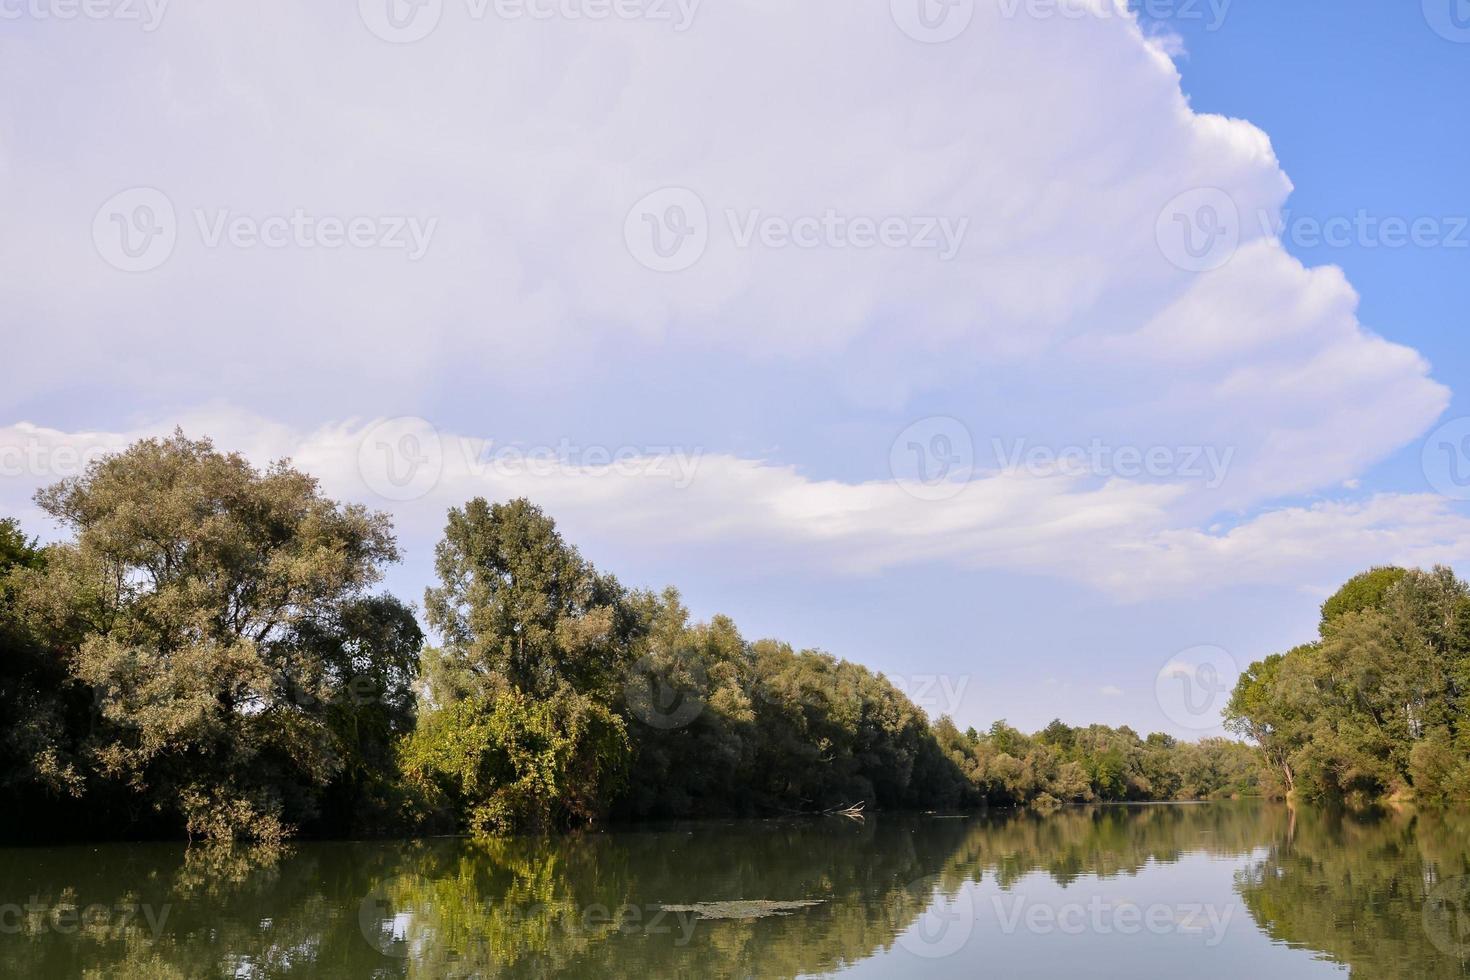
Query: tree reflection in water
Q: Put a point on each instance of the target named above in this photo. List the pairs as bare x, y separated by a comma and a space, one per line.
774, 898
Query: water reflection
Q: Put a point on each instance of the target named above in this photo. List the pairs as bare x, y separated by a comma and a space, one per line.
1386, 895
890, 896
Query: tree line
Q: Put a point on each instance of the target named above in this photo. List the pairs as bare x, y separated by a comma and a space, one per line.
206, 654
1378, 706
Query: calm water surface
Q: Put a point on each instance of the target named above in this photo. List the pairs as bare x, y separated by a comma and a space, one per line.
1220, 890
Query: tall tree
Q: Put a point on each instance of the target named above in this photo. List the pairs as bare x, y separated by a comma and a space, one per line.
205, 604
519, 608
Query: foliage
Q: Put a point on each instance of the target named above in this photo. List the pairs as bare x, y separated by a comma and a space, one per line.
1360, 593
204, 655
518, 607
1377, 706
213, 613
509, 762
37, 703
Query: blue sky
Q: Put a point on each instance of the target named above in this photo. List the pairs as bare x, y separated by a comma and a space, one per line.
514, 178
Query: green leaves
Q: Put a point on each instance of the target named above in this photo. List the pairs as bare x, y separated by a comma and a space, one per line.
215, 614
1377, 706
518, 607
510, 763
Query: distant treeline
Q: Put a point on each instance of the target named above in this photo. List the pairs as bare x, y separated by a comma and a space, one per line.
1379, 706
206, 656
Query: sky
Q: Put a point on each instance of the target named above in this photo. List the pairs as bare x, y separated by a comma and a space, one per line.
1056, 359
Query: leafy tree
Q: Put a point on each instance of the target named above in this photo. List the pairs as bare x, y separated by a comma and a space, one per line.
39, 707
1361, 593
1377, 706
510, 762
519, 608
206, 606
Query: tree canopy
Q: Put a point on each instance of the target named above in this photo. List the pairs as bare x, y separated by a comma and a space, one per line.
1377, 705
204, 654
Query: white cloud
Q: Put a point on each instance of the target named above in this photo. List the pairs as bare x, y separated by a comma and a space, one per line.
1121, 537
1060, 140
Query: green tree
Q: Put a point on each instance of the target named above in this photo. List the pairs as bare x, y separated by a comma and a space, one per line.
198, 603
1361, 593
40, 709
510, 762
1376, 706
518, 607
